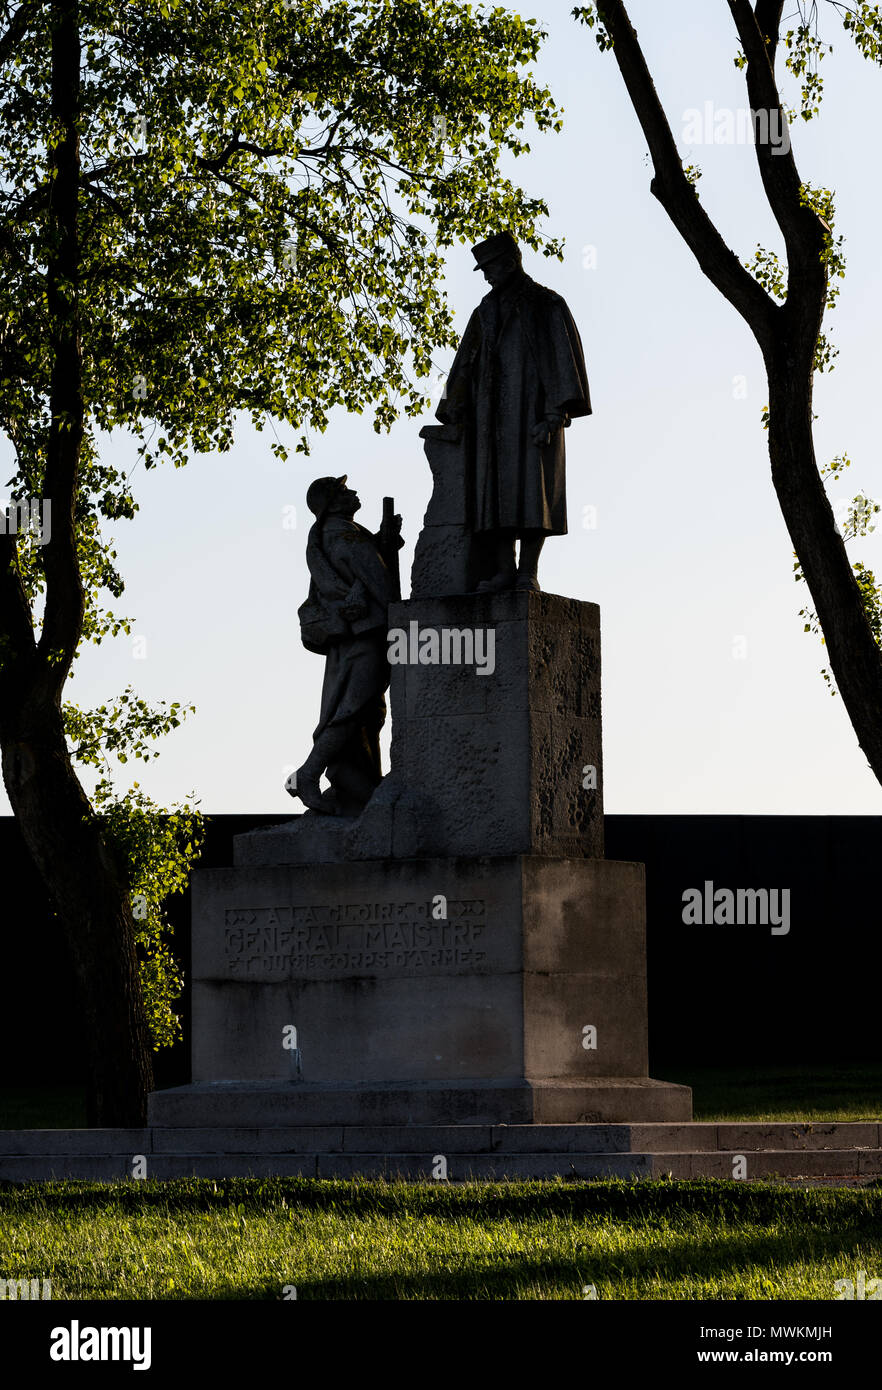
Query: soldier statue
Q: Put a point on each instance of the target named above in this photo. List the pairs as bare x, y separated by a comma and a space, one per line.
353, 579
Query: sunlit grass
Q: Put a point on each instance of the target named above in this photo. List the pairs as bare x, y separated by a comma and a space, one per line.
249, 1239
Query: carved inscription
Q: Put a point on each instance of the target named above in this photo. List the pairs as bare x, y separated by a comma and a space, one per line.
264, 943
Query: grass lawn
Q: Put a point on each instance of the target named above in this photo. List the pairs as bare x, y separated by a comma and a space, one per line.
782, 1092
248, 1239
42, 1107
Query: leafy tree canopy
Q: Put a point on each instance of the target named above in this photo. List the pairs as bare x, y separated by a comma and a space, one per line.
263, 196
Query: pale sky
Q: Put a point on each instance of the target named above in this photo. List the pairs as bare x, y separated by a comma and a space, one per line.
689, 554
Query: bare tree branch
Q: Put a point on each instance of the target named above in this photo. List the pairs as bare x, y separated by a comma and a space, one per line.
673, 189
95, 189
768, 20
801, 228
788, 337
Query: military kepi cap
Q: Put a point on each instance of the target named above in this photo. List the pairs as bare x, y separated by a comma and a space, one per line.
321, 493
501, 244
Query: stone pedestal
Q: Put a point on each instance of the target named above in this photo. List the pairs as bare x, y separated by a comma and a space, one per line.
498, 990
503, 757
461, 953
507, 758
449, 558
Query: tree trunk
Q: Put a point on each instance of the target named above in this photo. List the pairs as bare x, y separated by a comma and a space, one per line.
88, 892
855, 659
787, 335
87, 888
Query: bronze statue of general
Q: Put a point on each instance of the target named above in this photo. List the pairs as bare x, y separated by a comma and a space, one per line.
517, 381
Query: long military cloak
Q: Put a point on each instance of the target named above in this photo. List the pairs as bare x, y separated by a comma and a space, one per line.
520, 360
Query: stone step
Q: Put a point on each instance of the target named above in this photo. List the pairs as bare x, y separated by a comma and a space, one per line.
447, 1139
835, 1164
76, 1142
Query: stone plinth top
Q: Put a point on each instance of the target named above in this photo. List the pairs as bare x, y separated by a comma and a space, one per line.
496, 738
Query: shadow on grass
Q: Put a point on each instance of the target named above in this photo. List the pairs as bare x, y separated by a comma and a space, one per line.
40, 1107
759, 1262
618, 1199
781, 1093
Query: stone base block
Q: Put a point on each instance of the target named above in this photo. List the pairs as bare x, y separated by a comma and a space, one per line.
301, 1106
523, 969
496, 757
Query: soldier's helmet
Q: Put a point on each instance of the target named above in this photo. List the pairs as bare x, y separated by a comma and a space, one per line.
321, 493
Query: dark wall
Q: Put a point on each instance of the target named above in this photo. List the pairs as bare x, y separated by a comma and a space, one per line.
726, 995
718, 995
37, 997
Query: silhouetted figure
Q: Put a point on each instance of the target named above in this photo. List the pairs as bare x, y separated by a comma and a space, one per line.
517, 380
345, 618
